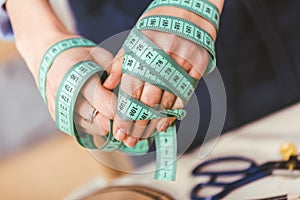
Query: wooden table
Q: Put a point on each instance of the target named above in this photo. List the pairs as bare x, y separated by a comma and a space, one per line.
50, 170
8, 51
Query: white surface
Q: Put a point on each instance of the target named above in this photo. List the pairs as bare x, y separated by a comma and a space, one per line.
259, 141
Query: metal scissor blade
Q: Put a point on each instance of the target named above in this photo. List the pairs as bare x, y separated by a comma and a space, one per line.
286, 172
282, 197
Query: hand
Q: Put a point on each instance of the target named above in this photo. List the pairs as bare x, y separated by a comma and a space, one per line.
92, 95
192, 58
43, 29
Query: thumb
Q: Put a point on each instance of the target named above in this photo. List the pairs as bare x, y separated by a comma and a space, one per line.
115, 72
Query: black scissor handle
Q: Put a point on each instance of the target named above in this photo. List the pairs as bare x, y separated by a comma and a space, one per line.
225, 188
198, 170
196, 192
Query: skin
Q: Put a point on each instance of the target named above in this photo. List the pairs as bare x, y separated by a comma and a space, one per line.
192, 58
36, 31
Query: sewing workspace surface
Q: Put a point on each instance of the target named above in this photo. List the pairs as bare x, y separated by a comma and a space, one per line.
59, 168
260, 141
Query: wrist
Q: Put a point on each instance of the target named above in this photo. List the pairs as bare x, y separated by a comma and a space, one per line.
204, 14
184, 14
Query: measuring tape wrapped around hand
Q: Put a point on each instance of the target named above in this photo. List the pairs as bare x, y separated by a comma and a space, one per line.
147, 62
203, 8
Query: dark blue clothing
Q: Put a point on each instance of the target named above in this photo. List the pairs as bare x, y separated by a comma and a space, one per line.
101, 19
257, 48
258, 52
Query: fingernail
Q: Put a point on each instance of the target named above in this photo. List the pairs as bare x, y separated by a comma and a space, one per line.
108, 81
164, 127
120, 135
131, 141
109, 78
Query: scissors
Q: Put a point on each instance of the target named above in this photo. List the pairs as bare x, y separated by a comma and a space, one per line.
250, 173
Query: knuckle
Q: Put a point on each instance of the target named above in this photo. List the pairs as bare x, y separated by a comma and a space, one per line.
109, 111
148, 132
178, 104
125, 125
101, 123
170, 120
136, 93
149, 99
167, 102
132, 86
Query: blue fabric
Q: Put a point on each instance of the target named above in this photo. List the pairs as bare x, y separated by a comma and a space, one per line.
6, 32
99, 20
248, 56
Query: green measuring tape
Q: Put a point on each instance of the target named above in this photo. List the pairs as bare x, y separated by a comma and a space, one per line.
149, 63
163, 72
131, 109
184, 29
67, 93
52, 53
166, 154
202, 8
143, 60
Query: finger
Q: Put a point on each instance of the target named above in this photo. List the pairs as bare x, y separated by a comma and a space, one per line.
133, 87
181, 60
178, 48
138, 128
151, 96
115, 72
95, 128
196, 72
102, 99
168, 99
178, 104
102, 57
150, 128
121, 128
163, 40
200, 64
130, 141
167, 102
163, 124
99, 123
195, 58
187, 54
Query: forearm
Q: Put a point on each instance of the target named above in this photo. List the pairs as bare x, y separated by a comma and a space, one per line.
35, 27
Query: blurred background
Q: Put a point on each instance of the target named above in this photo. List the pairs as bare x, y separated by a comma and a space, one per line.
24, 118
